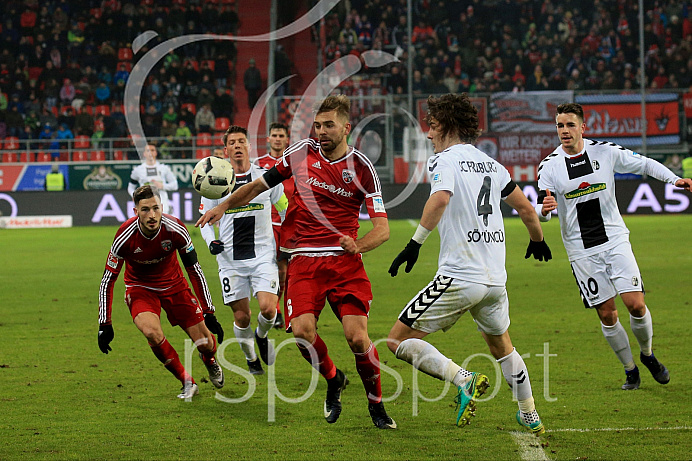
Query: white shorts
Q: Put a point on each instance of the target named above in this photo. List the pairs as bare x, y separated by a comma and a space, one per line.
604, 275
439, 305
236, 282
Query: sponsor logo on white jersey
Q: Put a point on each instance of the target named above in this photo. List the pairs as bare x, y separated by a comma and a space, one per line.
330, 187
317, 165
138, 250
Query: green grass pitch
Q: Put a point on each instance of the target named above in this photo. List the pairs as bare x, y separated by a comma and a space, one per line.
61, 398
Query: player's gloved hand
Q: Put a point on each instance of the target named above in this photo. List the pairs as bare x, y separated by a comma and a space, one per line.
539, 250
216, 247
106, 335
408, 255
214, 326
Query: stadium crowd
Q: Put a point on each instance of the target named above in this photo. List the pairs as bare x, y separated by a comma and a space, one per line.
64, 64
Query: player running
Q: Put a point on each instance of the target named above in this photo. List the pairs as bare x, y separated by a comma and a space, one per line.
278, 142
246, 253
578, 181
147, 243
467, 186
320, 233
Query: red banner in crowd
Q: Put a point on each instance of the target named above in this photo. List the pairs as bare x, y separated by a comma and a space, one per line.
624, 120
518, 148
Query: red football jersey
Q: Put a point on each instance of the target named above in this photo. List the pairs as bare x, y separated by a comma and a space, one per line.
151, 263
327, 197
266, 162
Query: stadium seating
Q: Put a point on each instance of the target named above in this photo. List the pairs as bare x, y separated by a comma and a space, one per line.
99, 156
205, 139
118, 155
81, 142
80, 156
11, 143
190, 106
202, 153
222, 123
102, 109
125, 54
43, 157
10, 157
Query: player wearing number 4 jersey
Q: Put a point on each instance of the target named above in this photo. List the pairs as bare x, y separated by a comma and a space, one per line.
245, 253
148, 244
466, 189
577, 181
320, 233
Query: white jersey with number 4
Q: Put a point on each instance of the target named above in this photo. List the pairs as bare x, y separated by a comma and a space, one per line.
584, 187
246, 231
472, 232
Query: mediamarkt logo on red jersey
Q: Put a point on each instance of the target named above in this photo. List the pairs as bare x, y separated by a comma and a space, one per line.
330, 187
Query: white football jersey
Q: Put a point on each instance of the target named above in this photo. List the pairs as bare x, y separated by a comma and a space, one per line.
144, 174
584, 187
472, 232
246, 231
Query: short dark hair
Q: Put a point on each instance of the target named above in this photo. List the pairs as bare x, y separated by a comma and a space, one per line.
338, 103
278, 126
144, 192
233, 129
456, 115
571, 108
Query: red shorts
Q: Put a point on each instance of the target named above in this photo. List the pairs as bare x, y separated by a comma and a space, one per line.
182, 308
341, 280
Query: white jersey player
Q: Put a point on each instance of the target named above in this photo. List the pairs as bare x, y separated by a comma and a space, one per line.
578, 181
246, 252
466, 189
156, 174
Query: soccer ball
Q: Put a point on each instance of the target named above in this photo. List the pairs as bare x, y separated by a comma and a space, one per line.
213, 177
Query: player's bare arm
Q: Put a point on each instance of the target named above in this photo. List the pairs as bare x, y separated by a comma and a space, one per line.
241, 196
374, 238
434, 209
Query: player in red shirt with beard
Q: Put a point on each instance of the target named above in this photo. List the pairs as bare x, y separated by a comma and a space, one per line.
278, 142
148, 243
320, 233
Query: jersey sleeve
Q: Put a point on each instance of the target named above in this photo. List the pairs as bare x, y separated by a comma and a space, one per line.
134, 181
170, 182
114, 264
440, 175
208, 232
627, 161
188, 256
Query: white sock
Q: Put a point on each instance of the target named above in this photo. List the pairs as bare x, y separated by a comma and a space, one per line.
246, 340
618, 340
643, 330
264, 325
426, 358
516, 375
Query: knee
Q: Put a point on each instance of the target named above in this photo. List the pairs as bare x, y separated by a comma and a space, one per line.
153, 335
358, 342
242, 319
637, 308
306, 334
393, 344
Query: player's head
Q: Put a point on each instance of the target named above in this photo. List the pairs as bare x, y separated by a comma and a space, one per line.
148, 208
331, 122
277, 139
150, 154
218, 152
569, 120
237, 146
453, 119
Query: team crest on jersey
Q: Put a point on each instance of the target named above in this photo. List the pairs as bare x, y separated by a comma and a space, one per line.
635, 281
167, 245
273, 284
348, 175
596, 165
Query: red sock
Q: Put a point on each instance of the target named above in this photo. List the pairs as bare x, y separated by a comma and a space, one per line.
208, 355
368, 366
169, 357
324, 363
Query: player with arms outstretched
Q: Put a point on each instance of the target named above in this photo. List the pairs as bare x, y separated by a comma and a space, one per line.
578, 180
246, 253
147, 244
320, 233
465, 195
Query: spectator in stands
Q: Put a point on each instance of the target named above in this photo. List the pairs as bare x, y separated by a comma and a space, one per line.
168, 129
83, 124
67, 92
14, 121
64, 135
205, 120
171, 116
151, 122
223, 105
184, 139
102, 94
252, 80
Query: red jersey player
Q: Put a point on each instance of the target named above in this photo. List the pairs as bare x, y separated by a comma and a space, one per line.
278, 142
153, 280
320, 233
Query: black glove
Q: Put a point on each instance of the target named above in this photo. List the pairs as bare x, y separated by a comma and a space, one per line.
214, 326
216, 247
105, 337
408, 255
539, 250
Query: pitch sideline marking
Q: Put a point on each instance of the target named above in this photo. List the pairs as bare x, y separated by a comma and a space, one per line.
412, 222
616, 429
529, 446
